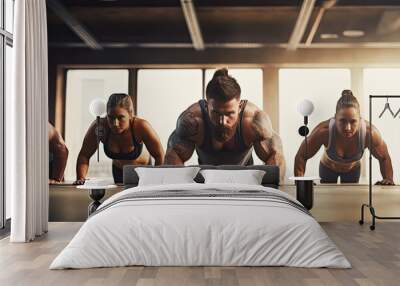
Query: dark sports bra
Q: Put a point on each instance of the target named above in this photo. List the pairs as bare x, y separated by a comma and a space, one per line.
134, 154
331, 150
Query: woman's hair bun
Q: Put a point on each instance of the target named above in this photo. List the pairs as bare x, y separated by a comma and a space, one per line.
347, 100
221, 72
347, 92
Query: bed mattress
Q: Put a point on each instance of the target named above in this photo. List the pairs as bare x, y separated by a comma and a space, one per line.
201, 225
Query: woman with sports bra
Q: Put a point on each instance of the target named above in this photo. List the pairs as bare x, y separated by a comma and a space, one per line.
345, 139
123, 136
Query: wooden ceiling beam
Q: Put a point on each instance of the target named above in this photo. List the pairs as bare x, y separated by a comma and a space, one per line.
192, 24
301, 24
325, 6
79, 29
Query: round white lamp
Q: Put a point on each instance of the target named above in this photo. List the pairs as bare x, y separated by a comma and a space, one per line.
97, 108
305, 108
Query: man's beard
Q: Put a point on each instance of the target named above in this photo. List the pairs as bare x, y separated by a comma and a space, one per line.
223, 134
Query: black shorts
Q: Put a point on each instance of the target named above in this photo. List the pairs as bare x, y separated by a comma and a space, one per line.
118, 174
329, 176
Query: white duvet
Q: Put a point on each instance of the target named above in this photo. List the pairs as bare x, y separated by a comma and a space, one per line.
183, 231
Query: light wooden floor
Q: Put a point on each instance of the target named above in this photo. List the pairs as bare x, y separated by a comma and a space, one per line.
375, 257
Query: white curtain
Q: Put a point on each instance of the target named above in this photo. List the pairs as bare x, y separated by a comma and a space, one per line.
26, 122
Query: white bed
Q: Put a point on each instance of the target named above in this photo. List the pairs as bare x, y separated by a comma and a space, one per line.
201, 224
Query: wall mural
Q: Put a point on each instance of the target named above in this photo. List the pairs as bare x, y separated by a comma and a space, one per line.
222, 127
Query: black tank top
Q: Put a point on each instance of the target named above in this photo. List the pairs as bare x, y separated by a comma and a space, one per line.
240, 155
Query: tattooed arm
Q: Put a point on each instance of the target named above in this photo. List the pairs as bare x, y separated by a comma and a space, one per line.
267, 143
181, 142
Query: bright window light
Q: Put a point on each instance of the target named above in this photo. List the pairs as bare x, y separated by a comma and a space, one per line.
82, 87
163, 94
384, 82
321, 86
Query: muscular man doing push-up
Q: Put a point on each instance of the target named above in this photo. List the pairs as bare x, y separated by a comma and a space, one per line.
224, 129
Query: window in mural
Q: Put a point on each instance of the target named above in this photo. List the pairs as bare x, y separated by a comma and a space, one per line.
321, 86
163, 94
379, 81
82, 87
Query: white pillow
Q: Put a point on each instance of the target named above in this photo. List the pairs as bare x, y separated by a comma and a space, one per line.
248, 177
165, 176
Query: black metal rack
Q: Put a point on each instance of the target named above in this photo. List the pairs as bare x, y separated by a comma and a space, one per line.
369, 205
